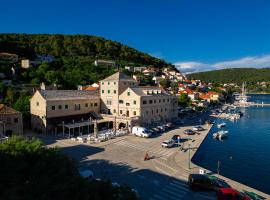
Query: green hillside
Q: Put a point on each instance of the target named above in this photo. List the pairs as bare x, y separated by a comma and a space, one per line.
234, 75
75, 55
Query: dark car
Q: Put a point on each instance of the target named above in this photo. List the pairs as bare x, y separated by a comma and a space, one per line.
203, 182
175, 138
189, 132
231, 194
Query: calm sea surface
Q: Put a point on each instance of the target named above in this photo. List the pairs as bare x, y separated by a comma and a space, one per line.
245, 155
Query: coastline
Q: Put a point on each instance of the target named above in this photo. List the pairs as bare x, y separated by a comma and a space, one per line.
233, 183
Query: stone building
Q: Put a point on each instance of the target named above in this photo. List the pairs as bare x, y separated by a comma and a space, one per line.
50, 109
10, 121
119, 102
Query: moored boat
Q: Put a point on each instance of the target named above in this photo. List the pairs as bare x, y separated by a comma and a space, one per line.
221, 125
220, 134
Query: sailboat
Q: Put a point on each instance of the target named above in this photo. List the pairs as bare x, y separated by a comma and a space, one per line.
243, 98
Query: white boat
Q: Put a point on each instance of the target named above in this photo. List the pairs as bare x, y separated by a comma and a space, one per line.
220, 134
221, 125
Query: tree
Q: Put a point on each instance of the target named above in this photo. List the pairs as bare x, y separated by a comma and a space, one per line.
23, 105
174, 87
165, 83
184, 100
31, 171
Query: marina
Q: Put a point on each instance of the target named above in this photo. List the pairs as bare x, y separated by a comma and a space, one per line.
238, 154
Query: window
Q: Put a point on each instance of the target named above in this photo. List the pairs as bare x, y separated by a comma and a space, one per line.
114, 83
128, 93
108, 83
147, 112
150, 101
60, 107
95, 104
168, 100
109, 91
159, 100
121, 101
157, 110
102, 83
164, 100
16, 120
91, 104
125, 83
53, 107
152, 112
127, 104
161, 110
133, 83
102, 91
134, 102
121, 112
77, 107
165, 109
134, 113
114, 111
114, 91
86, 105
66, 106
37, 103
109, 102
144, 102
154, 101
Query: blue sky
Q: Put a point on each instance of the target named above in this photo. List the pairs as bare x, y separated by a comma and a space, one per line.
194, 34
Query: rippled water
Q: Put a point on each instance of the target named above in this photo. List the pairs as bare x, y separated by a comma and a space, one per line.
245, 155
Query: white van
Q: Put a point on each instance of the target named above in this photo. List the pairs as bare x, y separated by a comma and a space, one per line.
140, 131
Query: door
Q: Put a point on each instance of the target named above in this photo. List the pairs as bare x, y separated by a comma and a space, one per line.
127, 113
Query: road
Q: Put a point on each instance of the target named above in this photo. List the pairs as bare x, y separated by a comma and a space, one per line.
121, 160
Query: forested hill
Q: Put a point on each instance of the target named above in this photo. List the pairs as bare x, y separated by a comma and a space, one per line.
233, 75
27, 45
74, 58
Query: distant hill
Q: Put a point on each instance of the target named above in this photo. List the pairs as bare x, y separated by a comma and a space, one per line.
75, 56
233, 75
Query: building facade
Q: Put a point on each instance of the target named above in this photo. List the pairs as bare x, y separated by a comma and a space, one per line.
50, 108
10, 121
119, 102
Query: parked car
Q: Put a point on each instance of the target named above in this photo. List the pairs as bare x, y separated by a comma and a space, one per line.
189, 132
140, 131
86, 174
169, 125
198, 128
209, 122
231, 194
175, 138
161, 128
156, 130
168, 143
203, 182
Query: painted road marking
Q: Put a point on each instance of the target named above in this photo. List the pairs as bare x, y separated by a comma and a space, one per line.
165, 165
145, 147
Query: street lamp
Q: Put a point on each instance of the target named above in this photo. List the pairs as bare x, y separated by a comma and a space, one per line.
189, 154
218, 168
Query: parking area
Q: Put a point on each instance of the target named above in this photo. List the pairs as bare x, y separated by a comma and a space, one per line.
121, 159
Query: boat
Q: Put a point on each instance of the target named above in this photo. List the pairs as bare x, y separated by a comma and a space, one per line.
242, 99
221, 125
220, 134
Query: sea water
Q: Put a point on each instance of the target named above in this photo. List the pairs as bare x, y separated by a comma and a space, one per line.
245, 155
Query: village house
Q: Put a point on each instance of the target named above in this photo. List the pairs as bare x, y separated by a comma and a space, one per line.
10, 121
107, 63
9, 57
193, 95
